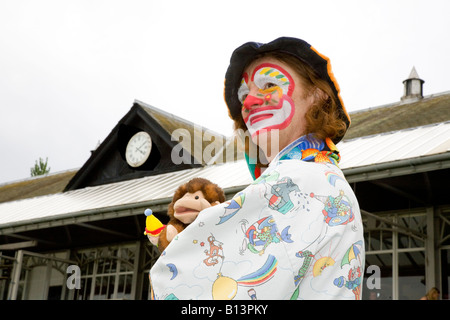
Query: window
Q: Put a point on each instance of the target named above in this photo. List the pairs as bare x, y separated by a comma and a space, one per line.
395, 243
106, 273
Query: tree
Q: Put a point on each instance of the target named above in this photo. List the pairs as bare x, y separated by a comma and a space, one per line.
40, 168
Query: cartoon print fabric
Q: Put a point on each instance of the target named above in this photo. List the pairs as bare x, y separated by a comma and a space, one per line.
294, 233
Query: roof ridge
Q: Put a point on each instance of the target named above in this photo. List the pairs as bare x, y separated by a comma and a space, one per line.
175, 117
399, 130
42, 176
433, 95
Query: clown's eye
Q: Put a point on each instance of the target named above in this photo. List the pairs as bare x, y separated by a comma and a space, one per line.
269, 85
243, 93
197, 197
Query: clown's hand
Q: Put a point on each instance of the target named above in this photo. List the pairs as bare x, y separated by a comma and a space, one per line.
171, 232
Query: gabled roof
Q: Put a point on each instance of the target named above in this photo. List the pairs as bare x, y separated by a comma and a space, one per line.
163, 123
195, 137
107, 163
397, 116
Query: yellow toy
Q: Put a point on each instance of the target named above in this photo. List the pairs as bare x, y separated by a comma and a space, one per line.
153, 227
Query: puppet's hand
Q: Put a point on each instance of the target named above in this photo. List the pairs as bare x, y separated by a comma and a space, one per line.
171, 232
154, 240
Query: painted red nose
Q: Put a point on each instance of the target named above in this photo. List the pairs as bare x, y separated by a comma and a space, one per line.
251, 101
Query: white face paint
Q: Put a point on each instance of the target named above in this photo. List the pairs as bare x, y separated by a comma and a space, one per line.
270, 105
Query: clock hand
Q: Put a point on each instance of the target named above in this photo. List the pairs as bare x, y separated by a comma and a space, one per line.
140, 150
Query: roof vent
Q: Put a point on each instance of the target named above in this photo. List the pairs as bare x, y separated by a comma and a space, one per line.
413, 87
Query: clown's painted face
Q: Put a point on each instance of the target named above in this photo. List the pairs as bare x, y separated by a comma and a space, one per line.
273, 99
270, 106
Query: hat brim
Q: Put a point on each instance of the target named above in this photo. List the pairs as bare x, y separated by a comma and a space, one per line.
300, 49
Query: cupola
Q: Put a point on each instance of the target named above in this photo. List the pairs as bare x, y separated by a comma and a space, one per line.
413, 87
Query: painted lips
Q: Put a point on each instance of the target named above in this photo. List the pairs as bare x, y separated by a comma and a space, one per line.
260, 116
270, 118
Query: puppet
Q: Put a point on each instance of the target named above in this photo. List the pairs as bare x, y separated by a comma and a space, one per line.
187, 202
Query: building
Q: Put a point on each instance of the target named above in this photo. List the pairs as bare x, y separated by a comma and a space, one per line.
396, 157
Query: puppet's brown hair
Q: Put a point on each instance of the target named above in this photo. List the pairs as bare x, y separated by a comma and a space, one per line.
211, 191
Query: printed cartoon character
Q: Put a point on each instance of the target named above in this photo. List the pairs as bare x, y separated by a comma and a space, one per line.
353, 282
308, 258
214, 253
278, 196
261, 234
337, 210
187, 202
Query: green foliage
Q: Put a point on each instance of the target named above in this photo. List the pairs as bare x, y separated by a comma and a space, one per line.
40, 168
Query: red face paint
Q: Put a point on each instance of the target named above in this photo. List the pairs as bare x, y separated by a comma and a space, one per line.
270, 106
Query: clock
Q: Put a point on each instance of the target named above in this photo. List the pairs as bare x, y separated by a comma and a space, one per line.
138, 149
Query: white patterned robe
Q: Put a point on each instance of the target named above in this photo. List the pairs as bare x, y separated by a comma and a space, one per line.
294, 233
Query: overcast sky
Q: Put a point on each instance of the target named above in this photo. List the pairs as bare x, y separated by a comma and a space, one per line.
71, 69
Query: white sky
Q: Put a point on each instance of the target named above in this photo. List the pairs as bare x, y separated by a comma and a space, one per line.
70, 70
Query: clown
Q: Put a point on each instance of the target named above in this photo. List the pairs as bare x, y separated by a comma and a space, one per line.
272, 99
285, 99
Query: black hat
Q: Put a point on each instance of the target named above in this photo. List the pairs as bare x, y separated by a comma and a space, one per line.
298, 48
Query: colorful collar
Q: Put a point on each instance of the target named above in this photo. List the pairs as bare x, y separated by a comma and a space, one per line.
306, 148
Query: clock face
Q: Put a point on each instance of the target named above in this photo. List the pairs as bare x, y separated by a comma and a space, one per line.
138, 149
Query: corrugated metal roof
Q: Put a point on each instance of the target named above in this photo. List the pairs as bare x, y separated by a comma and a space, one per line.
394, 146
360, 152
120, 193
